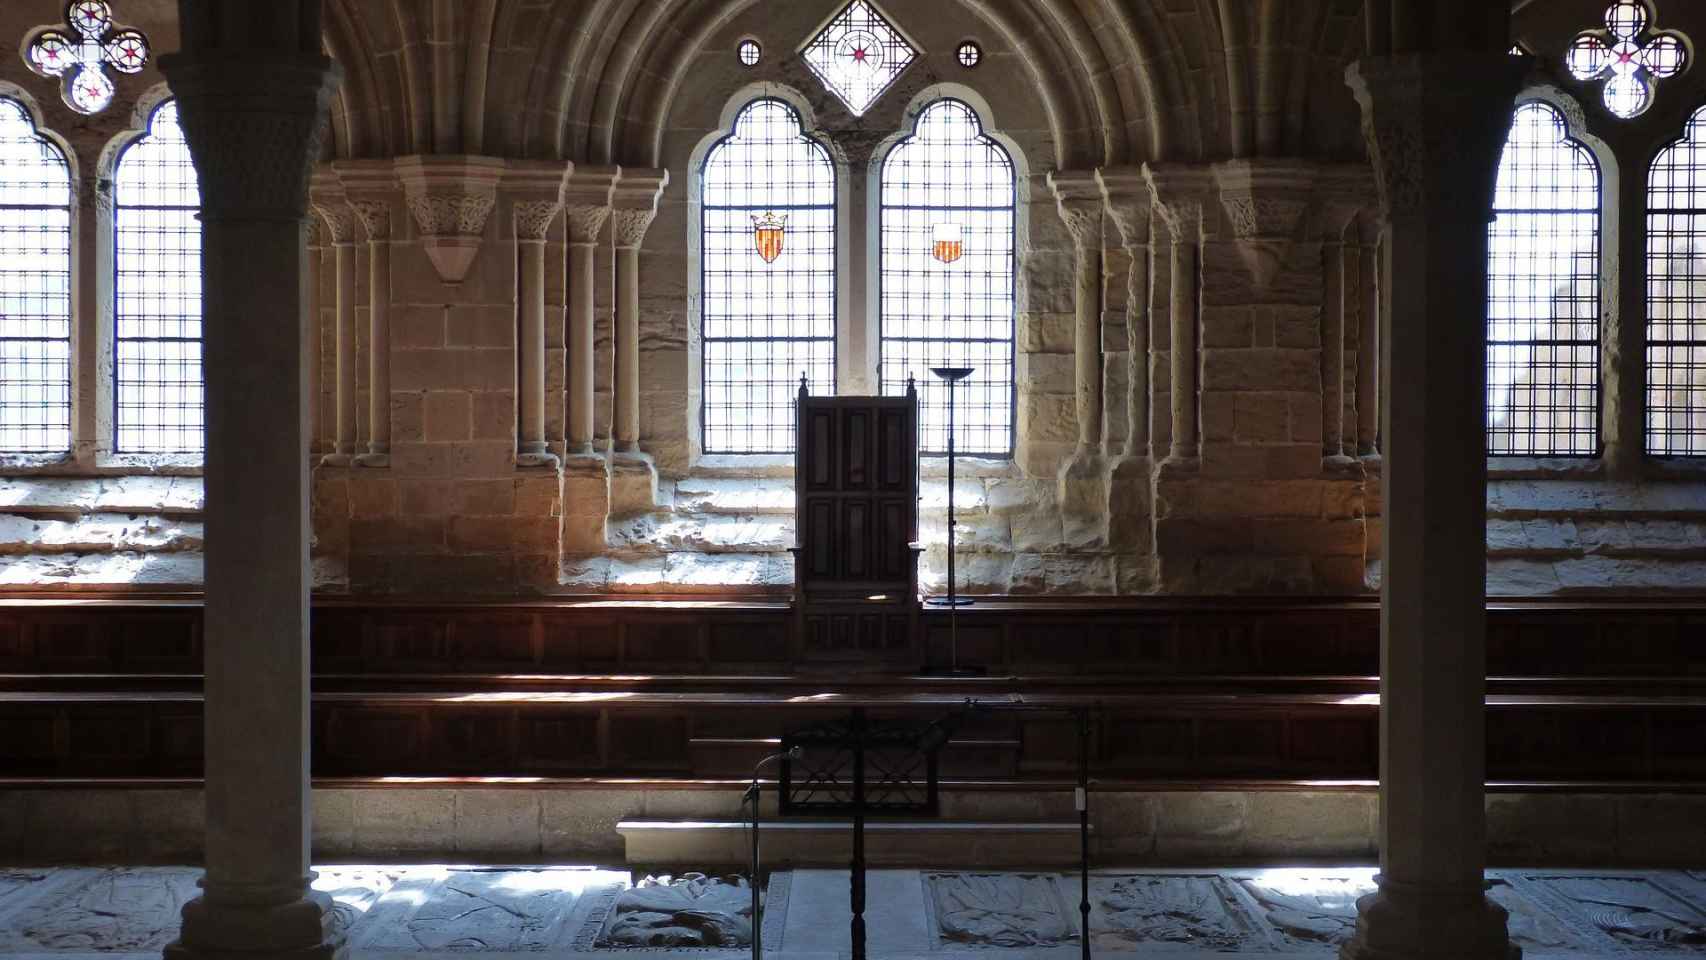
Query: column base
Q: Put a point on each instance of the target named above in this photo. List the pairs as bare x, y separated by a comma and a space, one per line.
1178, 464
373, 460
301, 930
537, 459
1406, 922
633, 483
337, 460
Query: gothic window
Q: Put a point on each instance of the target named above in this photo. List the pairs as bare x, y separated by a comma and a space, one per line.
1543, 292
1676, 296
947, 245
35, 288
157, 246
767, 249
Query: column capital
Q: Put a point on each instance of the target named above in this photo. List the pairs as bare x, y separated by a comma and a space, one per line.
634, 204
1434, 124
372, 191
1181, 192
1078, 197
1342, 193
1129, 203
254, 122
586, 201
450, 199
326, 198
1265, 199
533, 219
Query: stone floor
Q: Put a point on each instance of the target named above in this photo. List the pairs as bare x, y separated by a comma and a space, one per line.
441, 909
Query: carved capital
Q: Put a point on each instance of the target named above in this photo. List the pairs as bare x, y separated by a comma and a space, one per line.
586, 201
635, 204
585, 221
533, 219
375, 216
338, 218
1129, 203
1435, 126
1181, 195
1078, 197
254, 126
1265, 200
451, 215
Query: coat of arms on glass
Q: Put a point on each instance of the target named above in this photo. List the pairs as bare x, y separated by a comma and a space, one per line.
1628, 54
78, 57
858, 54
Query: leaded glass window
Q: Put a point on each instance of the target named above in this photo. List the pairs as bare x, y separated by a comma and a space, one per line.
157, 246
1676, 296
35, 288
858, 55
1543, 292
767, 300
947, 244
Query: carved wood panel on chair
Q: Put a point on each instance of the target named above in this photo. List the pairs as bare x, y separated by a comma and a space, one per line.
856, 493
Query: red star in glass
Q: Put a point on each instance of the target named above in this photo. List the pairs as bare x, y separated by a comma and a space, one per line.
858, 54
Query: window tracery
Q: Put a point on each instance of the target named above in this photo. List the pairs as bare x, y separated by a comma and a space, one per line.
157, 367
35, 288
1628, 64
1543, 292
858, 55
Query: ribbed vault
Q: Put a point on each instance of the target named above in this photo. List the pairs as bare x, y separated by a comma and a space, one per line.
1121, 81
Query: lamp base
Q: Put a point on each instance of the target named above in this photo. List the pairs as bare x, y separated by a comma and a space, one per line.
948, 601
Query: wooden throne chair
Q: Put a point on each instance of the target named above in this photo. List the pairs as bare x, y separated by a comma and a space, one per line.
856, 521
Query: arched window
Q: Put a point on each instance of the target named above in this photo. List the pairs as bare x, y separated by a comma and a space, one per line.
1543, 292
948, 216
1676, 296
767, 284
157, 249
35, 288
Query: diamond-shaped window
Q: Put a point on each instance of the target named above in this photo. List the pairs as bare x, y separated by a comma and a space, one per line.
858, 55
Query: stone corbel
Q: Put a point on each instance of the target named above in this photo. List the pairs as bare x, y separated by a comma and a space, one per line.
1264, 201
450, 199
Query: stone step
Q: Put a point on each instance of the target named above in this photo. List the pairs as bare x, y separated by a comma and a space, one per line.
660, 533
830, 842
1560, 499
679, 572
73, 571
1553, 537
65, 496
730, 495
98, 533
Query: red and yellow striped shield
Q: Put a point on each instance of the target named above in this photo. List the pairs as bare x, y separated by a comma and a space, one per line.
946, 244
767, 234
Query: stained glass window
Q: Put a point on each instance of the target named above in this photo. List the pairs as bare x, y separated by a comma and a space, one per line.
78, 57
767, 284
35, 288
948, 221
1626, 57
749, 51
157, 244
1543, 292
1676, 296
858, 55
969, 54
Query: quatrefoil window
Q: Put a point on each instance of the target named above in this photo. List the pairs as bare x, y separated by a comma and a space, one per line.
78, 58
1628, 56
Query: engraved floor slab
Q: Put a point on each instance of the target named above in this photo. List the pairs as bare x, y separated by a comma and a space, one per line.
1305, 909
1153, 911
109, 911
999, 910
1632, 912
497, 911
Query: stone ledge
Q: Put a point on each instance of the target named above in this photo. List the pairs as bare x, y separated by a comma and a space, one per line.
1533, 499
64, 495
98, 533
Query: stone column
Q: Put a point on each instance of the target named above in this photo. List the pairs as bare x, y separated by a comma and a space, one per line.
1436, 124
533, 220
587, 205
1339, 265
375, 217
1129, 204
635, 204
1368, 337
1079, 199
1180, 195
253, 88
340, 226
